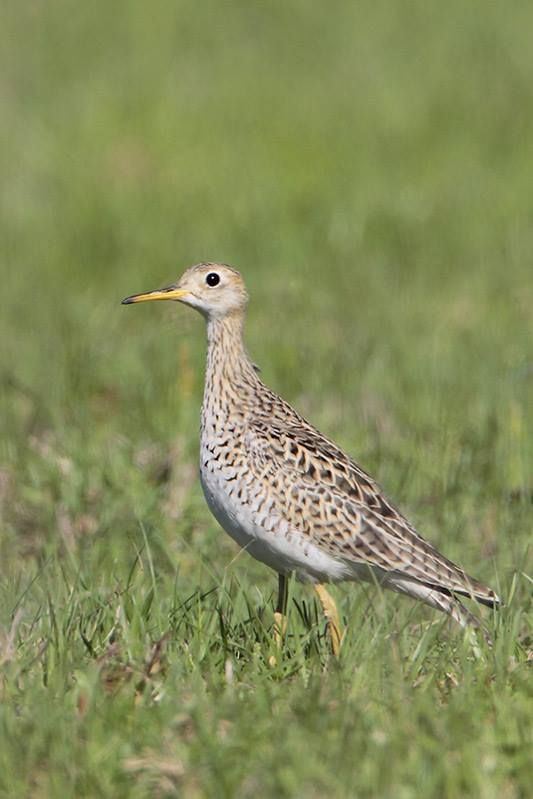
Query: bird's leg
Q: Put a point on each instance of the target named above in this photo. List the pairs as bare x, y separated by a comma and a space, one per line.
280, 614
332, 615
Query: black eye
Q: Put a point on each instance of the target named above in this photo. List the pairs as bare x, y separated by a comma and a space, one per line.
212, 279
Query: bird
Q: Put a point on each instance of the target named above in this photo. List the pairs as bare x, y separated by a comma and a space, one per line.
287, 494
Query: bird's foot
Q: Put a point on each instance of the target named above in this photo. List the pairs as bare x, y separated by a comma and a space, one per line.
331, 613
280, 628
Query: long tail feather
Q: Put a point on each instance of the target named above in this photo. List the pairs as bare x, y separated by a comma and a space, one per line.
440, 600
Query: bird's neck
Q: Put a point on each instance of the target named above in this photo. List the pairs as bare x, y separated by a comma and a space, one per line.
230, 375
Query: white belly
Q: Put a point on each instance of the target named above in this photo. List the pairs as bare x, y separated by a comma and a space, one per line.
270, 541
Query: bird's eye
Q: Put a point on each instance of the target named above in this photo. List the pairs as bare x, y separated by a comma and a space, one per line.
212, 279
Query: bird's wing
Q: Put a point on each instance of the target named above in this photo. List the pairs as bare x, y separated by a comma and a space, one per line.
325, 495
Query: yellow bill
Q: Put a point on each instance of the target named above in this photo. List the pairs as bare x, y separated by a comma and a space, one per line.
169, 293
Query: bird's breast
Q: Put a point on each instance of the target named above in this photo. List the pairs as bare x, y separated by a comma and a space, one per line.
247, 510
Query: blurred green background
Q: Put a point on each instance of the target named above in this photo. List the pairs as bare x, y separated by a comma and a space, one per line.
368, 167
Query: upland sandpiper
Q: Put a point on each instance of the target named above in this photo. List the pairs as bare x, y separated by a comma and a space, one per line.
287, 494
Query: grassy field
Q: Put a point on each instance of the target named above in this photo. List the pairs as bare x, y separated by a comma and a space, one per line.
368, 168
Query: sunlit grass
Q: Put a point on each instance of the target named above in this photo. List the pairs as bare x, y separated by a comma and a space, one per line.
368, 169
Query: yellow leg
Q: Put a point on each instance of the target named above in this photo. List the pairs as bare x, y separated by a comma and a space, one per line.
280, 614
330, 612
280, 617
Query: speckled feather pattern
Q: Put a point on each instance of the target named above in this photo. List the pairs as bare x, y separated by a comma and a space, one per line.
274, 471
287, 494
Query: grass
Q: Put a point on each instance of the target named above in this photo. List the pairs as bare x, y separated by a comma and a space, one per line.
368, 166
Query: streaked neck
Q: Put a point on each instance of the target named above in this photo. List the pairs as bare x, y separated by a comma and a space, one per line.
228, 364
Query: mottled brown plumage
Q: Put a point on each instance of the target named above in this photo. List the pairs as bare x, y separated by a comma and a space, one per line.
286, 493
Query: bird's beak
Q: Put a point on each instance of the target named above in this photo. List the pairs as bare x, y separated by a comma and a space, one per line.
170, 293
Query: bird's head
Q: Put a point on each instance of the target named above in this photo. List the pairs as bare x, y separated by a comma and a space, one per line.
216, 290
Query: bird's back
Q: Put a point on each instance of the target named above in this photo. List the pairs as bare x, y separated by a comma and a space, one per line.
302, 485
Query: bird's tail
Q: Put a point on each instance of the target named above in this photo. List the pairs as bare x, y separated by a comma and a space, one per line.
445, 601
